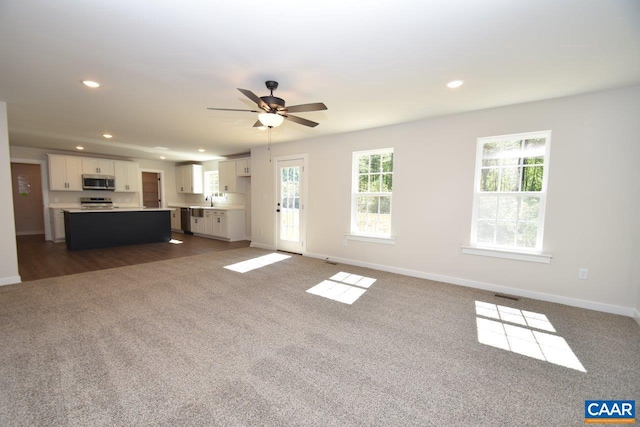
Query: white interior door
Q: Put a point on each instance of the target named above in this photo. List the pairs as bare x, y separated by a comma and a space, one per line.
290, 212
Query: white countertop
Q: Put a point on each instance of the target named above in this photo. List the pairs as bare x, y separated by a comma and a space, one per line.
76, 210
219, 207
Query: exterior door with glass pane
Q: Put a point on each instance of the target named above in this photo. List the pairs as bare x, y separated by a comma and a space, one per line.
290, 214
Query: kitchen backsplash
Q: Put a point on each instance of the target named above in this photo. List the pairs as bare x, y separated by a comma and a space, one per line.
231, 199
119, 199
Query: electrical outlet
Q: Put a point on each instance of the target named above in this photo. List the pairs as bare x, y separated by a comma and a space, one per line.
583, 274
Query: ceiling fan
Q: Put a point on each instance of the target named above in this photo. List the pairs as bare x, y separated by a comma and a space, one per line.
272, 110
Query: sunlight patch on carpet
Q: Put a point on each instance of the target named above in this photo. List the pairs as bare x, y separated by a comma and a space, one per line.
343, 287
521, 338
254, 263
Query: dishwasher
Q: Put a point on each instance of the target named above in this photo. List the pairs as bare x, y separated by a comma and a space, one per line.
185, 220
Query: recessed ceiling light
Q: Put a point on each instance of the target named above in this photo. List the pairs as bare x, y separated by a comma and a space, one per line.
454, 84
201, 150
162, 157
107, 135
79, 147
91, 84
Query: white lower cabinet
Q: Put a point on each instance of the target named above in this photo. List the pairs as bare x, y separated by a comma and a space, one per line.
176, 219
218, 221
57, 219
222, 224
197, 225
208, 222
220, 228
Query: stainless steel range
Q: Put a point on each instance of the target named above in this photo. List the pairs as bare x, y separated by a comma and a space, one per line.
96, 203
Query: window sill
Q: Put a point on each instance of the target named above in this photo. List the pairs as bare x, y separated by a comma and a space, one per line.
502, 253
371, 239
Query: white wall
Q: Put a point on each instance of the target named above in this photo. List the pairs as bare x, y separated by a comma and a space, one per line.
637, 312
592, 213
8, 252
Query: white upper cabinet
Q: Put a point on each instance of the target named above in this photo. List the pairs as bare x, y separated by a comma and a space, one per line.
229, 172
227, 176
189, 179
243, 167
97, 166
127, 177
65, 173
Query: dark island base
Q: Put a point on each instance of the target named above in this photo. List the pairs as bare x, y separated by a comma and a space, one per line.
93, 230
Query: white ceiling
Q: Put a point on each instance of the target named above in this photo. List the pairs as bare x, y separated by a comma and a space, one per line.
373, 63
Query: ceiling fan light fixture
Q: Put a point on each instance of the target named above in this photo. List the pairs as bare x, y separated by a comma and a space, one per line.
271, 120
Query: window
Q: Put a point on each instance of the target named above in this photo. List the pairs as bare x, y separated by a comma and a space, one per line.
371, 193
510, 192
212, 184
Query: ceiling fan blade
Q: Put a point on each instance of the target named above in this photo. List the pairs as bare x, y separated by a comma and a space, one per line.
300, 120
317, 106
255, 98
233, 109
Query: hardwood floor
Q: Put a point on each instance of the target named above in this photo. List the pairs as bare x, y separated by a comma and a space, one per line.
39, 259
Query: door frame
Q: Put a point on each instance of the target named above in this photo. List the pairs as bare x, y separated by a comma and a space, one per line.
304, 188
44, 179
160, 172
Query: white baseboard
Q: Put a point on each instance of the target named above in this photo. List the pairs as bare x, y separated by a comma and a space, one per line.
636, 315
574, 302
261, 246
10, 280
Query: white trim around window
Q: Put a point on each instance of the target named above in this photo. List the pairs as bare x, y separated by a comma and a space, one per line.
509, 202
371, 196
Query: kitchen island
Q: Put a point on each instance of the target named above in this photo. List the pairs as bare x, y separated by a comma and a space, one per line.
93, 229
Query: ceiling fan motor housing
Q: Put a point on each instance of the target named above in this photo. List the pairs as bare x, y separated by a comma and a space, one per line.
273, 102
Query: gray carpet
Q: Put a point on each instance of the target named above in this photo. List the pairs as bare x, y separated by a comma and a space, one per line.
187, 342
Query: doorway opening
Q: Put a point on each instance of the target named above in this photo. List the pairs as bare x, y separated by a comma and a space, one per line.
151, 190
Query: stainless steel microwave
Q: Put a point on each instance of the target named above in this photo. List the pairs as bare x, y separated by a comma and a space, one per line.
98, 182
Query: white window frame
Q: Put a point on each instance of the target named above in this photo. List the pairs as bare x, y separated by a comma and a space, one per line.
217, 194
354, 233
502, 251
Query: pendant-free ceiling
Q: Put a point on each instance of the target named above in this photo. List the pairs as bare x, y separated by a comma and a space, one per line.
272, 110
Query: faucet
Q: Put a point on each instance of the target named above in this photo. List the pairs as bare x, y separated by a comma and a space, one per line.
209, 198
